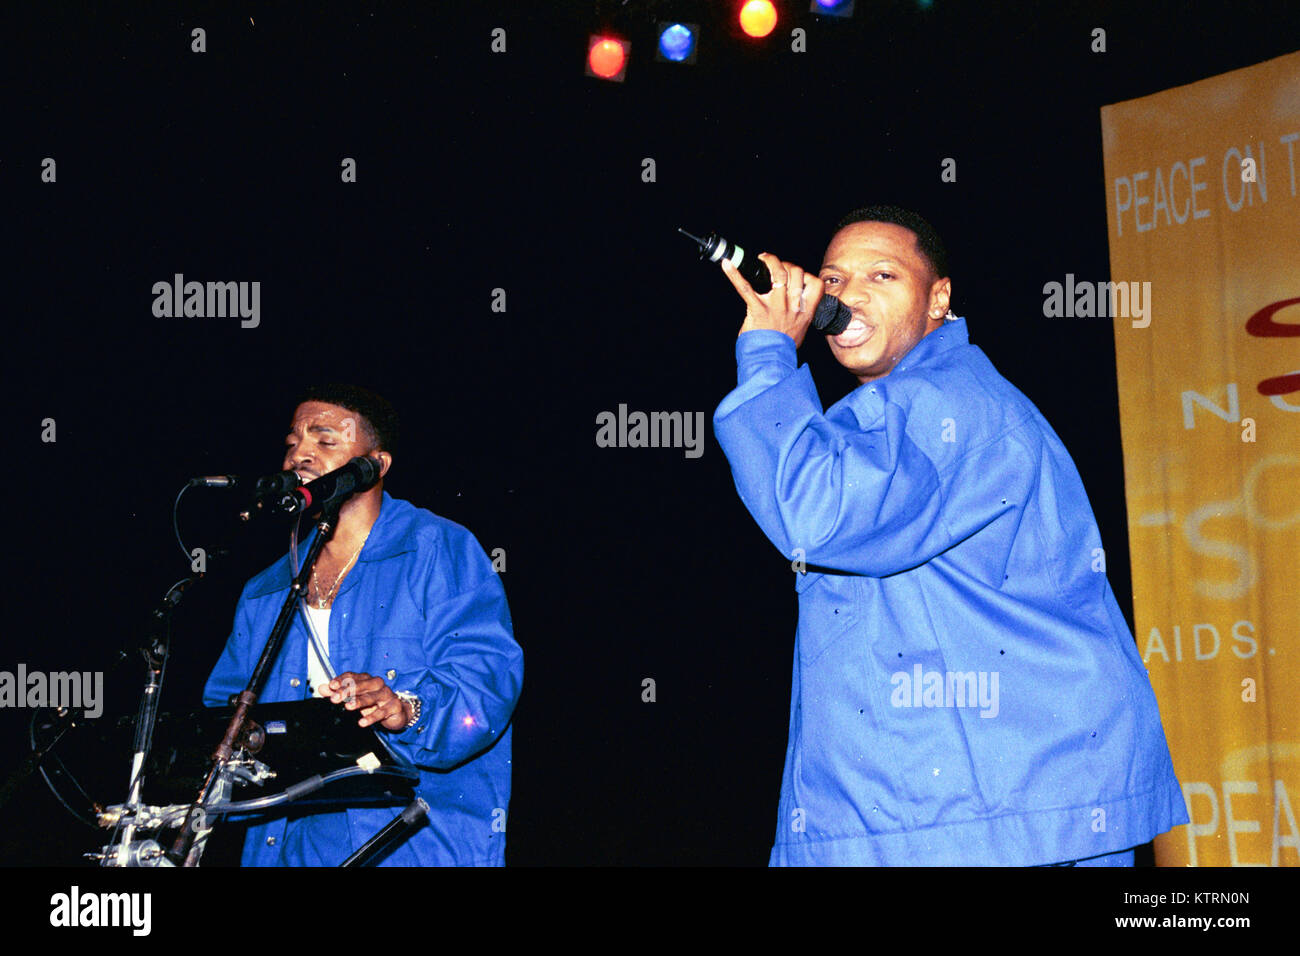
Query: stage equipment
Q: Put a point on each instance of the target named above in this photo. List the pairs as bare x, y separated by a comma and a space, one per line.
607, 57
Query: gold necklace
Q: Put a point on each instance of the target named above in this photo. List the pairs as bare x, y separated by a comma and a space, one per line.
323, 601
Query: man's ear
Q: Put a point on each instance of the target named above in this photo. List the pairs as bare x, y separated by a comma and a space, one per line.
385, 462
940, 295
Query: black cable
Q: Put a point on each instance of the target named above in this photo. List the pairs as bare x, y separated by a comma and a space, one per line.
31, 738
176, 527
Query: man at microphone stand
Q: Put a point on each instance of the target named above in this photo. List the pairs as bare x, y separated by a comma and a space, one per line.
966, 690
415, 622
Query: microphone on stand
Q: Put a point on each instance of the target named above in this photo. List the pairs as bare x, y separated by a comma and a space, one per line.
215, 481
333, 488
267, 488
278, 484
270, 489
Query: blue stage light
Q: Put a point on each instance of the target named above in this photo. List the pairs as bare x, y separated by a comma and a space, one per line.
677, 42
833, 8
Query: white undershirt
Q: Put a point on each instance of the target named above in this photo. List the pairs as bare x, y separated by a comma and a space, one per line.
316, 675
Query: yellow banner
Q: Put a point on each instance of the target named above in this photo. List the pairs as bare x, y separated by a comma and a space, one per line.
1204, 225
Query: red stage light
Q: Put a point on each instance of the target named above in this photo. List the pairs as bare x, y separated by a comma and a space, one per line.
607, 57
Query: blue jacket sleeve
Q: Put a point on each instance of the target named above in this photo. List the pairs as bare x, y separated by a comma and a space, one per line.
235, 665
475, 667
861, 498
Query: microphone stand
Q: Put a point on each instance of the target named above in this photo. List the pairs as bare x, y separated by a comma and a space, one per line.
397, 828
188, 846
124, 851
155, 648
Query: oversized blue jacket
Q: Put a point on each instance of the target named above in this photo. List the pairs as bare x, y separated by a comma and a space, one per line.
966, 690
423, 609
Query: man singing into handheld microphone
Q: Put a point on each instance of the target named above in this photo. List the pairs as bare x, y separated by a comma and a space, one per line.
415, 623
965, 690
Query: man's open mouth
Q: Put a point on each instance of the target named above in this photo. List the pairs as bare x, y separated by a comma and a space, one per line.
857, 333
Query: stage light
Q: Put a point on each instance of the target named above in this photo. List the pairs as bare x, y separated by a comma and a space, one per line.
758, 17
677, 42
607, 58
833, 8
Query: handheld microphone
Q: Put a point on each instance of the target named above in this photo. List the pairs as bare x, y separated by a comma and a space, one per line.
333, 488
832, 315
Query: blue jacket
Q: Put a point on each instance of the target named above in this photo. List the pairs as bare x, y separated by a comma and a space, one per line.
966, 690
423, 609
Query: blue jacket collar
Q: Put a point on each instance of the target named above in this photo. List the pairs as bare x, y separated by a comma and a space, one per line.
952, 334
392, 534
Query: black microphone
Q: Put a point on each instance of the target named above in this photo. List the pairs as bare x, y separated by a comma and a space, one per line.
832, 315
266, 488
215, 481
269, 488
333, 488
273, 486
281, 483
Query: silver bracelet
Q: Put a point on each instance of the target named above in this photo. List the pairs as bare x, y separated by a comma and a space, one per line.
414, 703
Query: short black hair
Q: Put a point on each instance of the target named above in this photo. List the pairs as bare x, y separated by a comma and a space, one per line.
927, 240
378, 417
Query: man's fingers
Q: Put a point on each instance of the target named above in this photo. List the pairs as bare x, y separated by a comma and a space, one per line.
787, 307
369, 698
381, 713
374, 715
812, 292
791, 278
794, 288
341, 691
350, 686
742, 285
776, 269
355, 688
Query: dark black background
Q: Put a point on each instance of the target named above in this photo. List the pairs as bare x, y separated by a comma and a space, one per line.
479, 171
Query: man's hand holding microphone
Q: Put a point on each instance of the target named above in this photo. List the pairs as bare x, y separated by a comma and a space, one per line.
788, 308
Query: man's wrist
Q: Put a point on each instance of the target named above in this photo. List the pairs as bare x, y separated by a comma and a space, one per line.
411, 706
758, 347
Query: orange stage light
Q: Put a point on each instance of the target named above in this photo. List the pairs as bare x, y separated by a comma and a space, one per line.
758, 17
